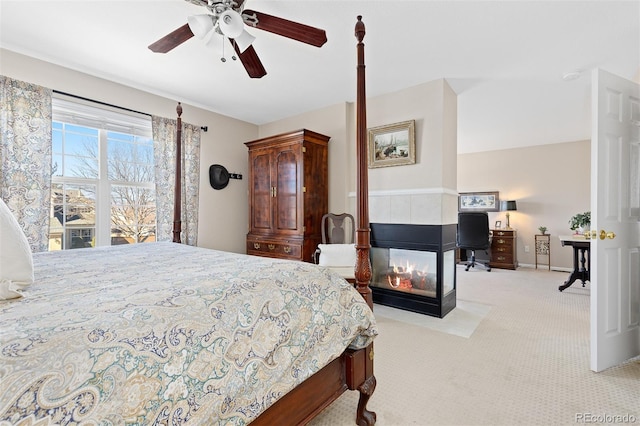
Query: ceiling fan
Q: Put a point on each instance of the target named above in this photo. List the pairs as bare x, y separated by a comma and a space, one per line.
229, 18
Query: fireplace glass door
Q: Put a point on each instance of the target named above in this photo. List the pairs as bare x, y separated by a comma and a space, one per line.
410, 271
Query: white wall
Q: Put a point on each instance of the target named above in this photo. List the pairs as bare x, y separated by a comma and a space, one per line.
424, 192
330, 121
550, 183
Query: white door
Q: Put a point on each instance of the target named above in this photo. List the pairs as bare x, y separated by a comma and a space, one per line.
615, 215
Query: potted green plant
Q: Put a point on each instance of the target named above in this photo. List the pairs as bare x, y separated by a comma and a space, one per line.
580, 221
542, 229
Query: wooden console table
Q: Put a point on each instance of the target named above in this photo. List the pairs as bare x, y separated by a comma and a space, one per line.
581, 259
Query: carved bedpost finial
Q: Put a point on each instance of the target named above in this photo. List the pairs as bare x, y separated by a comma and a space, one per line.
179, 109
360, 31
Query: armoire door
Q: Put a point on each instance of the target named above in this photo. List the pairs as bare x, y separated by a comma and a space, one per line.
261, 192
288, 202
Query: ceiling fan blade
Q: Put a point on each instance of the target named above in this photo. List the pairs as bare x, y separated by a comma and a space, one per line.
171, 40
284, 27
251, 62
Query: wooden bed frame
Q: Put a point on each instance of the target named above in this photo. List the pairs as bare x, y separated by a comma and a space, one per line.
353, 370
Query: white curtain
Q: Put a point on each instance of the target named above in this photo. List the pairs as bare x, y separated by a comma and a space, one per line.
25, 157
164, 137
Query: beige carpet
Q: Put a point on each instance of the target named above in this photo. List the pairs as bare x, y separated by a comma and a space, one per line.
516, 353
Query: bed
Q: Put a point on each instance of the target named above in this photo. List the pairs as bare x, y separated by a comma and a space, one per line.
165, 333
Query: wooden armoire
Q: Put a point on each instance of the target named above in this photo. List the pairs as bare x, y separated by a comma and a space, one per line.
288, 194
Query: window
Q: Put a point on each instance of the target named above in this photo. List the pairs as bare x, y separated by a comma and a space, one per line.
103, 190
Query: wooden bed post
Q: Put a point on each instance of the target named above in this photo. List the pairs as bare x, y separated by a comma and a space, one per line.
363, 241
177, 200
353, 370
364, 417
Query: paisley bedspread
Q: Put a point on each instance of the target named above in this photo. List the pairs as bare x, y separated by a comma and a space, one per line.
168, 334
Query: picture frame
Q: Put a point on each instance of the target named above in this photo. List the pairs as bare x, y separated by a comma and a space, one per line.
479, 201
498, 224
392, 144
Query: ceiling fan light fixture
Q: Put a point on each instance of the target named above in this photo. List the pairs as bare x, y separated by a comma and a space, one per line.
200, 25
244, 40
231, 24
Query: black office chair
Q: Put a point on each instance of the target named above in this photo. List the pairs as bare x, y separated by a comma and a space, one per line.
474, 234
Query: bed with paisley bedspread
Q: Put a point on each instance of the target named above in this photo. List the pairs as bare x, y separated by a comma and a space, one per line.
100, 338
169, 334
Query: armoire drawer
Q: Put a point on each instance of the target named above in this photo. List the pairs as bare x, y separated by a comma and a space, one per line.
282, 249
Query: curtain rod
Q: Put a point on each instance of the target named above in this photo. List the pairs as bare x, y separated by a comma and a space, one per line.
100, 102
204, 128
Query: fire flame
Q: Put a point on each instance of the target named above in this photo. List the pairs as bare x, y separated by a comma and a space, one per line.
403, 276
402, 269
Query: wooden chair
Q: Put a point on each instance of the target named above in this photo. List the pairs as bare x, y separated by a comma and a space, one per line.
337, 250
333, 228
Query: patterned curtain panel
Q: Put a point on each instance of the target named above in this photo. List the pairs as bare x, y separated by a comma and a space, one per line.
164, 137
25, 157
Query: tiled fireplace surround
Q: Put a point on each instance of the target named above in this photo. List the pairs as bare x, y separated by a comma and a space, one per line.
419, 225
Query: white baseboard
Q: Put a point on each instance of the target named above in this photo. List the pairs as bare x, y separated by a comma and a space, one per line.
545, 267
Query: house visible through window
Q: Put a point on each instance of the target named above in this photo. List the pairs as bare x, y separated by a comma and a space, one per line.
103, 190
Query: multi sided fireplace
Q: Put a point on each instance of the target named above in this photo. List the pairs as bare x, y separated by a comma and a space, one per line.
413, 267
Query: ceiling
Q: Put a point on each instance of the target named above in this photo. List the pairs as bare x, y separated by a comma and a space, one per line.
504, 59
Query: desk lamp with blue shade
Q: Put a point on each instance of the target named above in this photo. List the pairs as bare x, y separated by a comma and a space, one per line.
508, 206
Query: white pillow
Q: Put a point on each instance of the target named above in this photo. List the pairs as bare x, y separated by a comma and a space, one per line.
16, 261
337, 255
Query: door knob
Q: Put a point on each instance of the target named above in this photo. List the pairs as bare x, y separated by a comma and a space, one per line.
610, 235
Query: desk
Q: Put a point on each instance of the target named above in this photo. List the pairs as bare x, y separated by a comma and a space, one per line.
503, 249
581, 255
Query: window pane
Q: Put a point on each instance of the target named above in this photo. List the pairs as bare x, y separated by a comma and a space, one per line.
56, 165
145, 152
133, 214
85, 167
73, 222
56, 136
75, 150
129, 158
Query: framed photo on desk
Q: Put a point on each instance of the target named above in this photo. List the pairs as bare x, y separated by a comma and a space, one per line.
498, 224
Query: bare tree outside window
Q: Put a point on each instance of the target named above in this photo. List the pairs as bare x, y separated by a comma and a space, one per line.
133, 207
129, 171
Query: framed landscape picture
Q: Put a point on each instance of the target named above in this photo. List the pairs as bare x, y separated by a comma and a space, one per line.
478, 201
392, 144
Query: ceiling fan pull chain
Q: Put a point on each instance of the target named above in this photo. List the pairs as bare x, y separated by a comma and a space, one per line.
234, 56
223, 59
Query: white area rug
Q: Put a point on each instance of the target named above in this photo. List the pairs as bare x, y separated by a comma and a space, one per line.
461, 321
